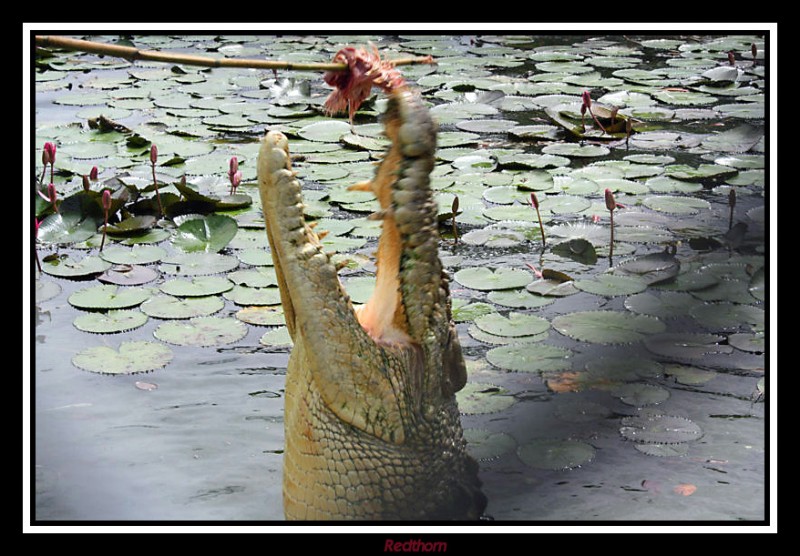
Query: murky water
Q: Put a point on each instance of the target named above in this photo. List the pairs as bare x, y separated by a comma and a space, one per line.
202, 439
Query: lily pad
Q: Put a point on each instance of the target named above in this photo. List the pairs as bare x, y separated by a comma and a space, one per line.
279, 337
209, 234
110, 322
132, 357
108, 297
607, 327
128, 275
137, 255
198, 264
482, 278
202, 332
687, 345
200, 286
639, 395
75, 268
659, 429
515, 324
653, 268
518, 299
611, 285
484, 445
330, 131
671, 204
170, 307
262, 315
530, 358
555, 454
478, 398
65, 229
243, 295
463, 311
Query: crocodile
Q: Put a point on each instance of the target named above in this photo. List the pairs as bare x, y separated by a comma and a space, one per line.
372, 427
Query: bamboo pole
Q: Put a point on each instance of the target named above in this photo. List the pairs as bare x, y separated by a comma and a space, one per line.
131, 53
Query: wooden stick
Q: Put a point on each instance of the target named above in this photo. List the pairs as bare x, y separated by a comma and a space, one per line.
131, 53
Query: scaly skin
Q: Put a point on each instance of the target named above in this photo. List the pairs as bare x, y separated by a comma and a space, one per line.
371, 422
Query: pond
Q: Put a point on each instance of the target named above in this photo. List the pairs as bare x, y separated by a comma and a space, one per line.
618, 381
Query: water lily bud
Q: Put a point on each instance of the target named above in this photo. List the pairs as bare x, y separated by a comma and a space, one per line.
153, 153
236, 179
732, 198
107, 200
587, 100
611, 204
234, 167
49, 153
93, 173
86, 184
534, 200
731, 58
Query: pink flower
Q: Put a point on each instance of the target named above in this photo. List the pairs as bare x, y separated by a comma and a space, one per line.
49, 153
234, 167
107, 200
153, 154
586, 99
86, 185
611, 204
236, 180
534, 200
93, 173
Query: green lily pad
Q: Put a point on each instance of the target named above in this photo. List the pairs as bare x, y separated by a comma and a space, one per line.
751, 343
484, 445
330, 131
198, 264
132, 357
46, 290
199, 286
65, 229
515, 324
170, 307
607, 327
463, 311
132, 226
262, 315
556, 455
688, 375
482, 278
128, 275
663, 450
611, 285
639, 395
582, 411
108, 297
209, 234
659, 429
728, 316
255, 277
653, 268
681, 345
478, 398
110, 322
577, 249
137, 255
552, 288
518, 299
576, 149
279, 337
202, 331
530, 358
75, 268
665, 305
243, 295
671, 204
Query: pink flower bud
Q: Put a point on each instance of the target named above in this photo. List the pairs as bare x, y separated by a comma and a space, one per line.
236, 179
93, 173
731, 58
107, 200
51, 193
754, 50
86, 184
610, 203
49, 153
153, 154
587, 100
534, 200
233, 168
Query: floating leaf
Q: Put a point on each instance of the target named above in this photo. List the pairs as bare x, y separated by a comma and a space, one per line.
482, 278
137, 255
582, 411
108, 297
530, 358
202, 331
46, 290
685, 374
478, 398
110, 322
577, 249
278, 337
555, 454
639, 395
611, 285
467, 312
262, 315
607, 327
198, 264
330, 131
169, 307
663, 450
74, 269
659, 429
209, 234
552, 288
65, 229
687, 345
653, 268
518, 299
515, 324
132, 226
752, 343
200, 286
128, 275
665, 305
243, 295
132, 357
676, 205
484, 445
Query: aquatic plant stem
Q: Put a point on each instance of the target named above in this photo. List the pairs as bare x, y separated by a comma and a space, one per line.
455, 229
131, 53
535, 203
153, 159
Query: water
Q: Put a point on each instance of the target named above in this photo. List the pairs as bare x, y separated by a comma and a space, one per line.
205, 443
